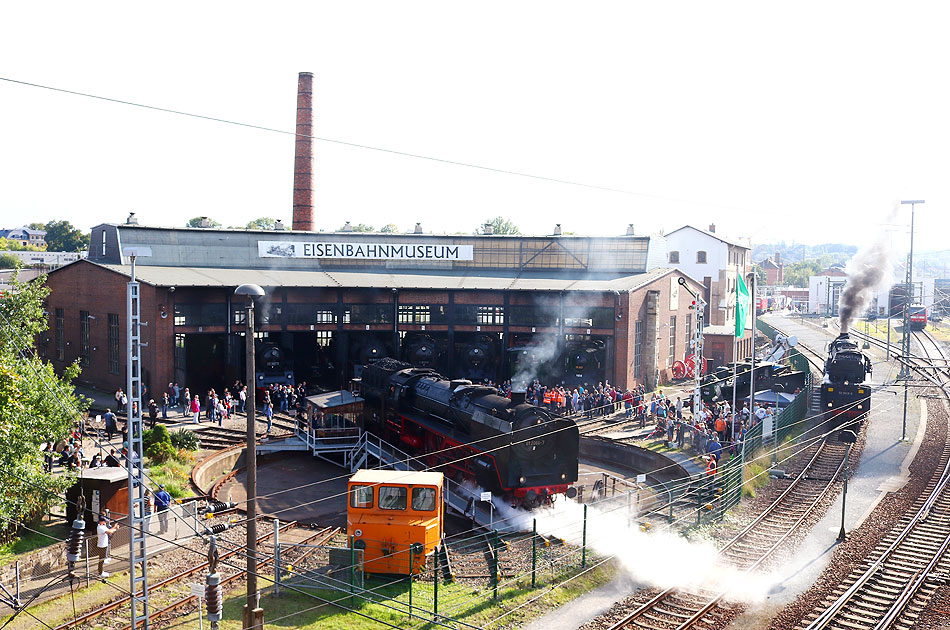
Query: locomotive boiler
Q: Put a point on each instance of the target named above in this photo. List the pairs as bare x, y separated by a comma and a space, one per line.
845, 397
469, 432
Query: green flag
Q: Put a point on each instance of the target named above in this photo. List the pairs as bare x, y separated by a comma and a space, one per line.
743, 300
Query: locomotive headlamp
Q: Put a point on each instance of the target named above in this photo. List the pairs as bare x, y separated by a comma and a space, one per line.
359, 544
563, 476
520, 479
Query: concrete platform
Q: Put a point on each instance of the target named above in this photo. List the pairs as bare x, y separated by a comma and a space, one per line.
295, 487
883, 468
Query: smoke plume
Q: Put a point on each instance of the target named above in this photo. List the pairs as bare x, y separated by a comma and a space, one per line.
869, 268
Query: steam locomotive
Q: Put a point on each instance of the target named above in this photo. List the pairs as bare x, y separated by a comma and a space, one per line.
720, 384
274, 366
470, 432
845, 398
576, 363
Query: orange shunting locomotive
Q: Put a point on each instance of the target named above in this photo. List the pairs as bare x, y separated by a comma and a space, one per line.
395, 517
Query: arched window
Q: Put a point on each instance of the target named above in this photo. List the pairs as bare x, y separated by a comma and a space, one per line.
674, 257
701, 257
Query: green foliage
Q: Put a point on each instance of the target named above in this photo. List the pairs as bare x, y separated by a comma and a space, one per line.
161, 451
158, 435
187, 440
389, 228
36, 405
760, 277
10, 245
501, 225
359, 227
196, 222
63, 236
9, 261
261, 223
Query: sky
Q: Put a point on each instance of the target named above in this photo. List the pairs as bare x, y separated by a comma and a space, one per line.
806, 122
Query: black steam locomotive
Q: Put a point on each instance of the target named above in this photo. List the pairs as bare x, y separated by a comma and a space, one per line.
470, 432
845, 397
720, 384
274, 366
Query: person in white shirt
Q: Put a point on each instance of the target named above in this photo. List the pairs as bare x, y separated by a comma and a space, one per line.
103, 533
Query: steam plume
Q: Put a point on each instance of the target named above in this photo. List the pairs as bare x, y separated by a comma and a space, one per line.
866, 271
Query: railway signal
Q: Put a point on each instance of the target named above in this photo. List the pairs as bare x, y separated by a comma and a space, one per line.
849, 438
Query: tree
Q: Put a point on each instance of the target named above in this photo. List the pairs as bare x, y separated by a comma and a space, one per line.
389, 228
196, 222
501, 225
359, 227
36, 225
63, 236
261, 223
36, 406
9, 261
9, 245
760, 278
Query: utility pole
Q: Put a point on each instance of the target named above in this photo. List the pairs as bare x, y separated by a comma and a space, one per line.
908, 299
253, 613
908, 291
138, 574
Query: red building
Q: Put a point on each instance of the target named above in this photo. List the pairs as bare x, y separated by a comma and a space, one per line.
565, 308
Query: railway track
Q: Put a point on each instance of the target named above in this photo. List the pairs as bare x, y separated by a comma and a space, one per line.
681, 609
159, 590
899, 576
177, 603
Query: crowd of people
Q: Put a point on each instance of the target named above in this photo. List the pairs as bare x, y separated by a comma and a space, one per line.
715, 432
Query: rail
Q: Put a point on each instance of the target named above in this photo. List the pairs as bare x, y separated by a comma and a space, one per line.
693, 618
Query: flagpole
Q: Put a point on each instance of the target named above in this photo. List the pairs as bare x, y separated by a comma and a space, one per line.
752, 368
735, 360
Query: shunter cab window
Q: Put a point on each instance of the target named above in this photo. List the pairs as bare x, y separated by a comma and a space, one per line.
423, 499
361, 496
392, 497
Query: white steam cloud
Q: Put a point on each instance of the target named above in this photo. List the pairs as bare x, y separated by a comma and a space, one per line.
659, 559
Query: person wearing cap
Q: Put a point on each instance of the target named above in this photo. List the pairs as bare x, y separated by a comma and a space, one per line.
103, 533
162, 501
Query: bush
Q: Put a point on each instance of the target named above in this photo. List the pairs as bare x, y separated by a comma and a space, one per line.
161, 451
158, 435
185, 440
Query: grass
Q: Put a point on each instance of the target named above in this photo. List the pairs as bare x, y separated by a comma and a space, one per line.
174, 473
47, 533
469, 603
753, 478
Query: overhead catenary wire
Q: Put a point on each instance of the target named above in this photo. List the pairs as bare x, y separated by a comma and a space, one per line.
368, 147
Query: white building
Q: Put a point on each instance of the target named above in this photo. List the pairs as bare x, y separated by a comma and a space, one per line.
47, 259
714, 261
824, 290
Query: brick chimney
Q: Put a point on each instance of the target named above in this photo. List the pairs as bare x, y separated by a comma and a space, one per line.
712, 226
778, 258
303, 155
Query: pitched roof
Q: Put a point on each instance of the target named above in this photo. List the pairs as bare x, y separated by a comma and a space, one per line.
727, 241
430, 279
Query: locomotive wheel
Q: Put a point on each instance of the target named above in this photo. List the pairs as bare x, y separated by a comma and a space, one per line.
679, 370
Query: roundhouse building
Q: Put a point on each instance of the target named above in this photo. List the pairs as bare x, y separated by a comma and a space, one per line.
565, 309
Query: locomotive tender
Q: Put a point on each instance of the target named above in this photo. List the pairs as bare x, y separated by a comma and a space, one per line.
845, 397
469, 432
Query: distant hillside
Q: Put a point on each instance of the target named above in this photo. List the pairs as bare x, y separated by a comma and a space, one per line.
931, 264
794, 252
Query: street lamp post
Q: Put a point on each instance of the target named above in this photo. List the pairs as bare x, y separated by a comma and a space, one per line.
253, 613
